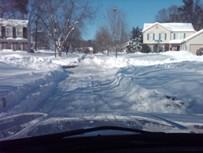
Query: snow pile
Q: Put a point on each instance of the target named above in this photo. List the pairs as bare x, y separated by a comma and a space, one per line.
106, 61
177, 81
39, 61
23, 90
26, 80
140, 59
147, 100
28, 61
180, 56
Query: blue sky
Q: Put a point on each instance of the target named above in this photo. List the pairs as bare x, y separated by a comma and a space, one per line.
137, 12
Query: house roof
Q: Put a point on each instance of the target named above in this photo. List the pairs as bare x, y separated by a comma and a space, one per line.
13, 22
171, 26
193, 35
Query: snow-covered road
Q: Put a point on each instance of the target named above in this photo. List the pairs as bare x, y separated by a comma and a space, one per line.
165, 83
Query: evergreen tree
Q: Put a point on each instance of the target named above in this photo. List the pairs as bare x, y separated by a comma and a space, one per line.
135, 43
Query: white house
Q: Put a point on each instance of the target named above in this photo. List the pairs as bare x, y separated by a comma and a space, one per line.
13, 34
166, 36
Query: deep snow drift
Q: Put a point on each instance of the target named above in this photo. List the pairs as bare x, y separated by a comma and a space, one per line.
169, 82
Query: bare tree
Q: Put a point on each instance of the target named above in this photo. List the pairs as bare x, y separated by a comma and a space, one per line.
117, 26
14, 8
190, 11
103, 39
170, 14
60, 19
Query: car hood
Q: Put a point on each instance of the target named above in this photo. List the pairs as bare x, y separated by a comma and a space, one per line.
35, 124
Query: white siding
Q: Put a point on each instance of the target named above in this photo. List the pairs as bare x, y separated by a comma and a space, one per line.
157, 31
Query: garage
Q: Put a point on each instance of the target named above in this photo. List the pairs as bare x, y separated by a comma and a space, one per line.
195, 47
193, 42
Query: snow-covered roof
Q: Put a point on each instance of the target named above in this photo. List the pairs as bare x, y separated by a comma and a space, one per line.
171, 26
193, 35
13, 22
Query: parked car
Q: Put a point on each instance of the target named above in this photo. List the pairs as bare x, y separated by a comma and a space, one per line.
199, 52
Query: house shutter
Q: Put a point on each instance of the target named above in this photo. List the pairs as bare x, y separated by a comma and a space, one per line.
24, 32
3, 32
184, 35
14, 32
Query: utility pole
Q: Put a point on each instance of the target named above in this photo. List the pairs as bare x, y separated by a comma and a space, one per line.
55, 41
114, 32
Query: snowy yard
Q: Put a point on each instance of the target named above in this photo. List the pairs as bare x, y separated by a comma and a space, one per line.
169, 82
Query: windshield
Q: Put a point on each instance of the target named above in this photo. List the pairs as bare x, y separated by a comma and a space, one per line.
74, 64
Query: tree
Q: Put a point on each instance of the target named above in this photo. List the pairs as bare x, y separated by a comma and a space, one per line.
136, 32
145, 48
103, 39
190, 11
14, 9
117, 26
170, 14
61, 18
135, 43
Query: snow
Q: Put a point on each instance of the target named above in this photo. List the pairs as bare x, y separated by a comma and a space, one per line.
172, 26
176, 41
13, 22
18, 38
164, 83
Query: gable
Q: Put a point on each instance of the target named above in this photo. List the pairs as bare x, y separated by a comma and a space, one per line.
173, 27
153, 27
156, 27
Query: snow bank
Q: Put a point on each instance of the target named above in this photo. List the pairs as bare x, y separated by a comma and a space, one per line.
23, 90
140, 59
28, 79
179, 82
27, 61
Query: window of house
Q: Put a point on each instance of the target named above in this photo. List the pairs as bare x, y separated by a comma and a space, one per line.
19, 31
154, 36
163, 36
148, 36
8, 31
184, 35
174, 36
14, 32
151, 36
